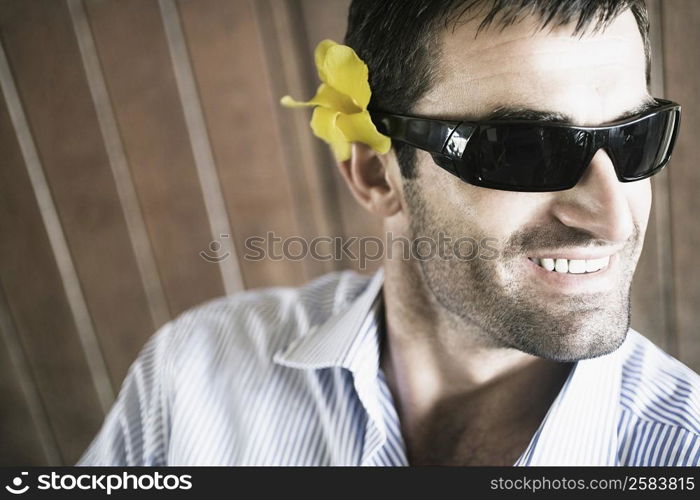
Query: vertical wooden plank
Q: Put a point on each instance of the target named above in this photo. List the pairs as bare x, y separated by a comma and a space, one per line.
681, 41
201, 146
323, 19
289, 67
25, 432
19, 439
133, 51
59, 109
37, 304
653, 311
120, 168
227, 57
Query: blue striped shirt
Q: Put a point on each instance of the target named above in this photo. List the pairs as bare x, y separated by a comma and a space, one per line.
291, 376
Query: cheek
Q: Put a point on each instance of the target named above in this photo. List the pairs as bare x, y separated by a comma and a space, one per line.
639, 196
471, 209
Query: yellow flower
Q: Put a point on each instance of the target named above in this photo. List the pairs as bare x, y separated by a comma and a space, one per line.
341, 115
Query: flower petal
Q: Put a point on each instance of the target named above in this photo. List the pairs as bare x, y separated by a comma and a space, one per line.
289, 102
325, 96
320, 56
324, 125
359, 127
346, 73
330, 98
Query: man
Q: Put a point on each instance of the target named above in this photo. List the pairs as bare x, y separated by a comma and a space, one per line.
522, 356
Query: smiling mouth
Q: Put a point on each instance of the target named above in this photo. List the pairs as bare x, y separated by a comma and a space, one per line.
572, 266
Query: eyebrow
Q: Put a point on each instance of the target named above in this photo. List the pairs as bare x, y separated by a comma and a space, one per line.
522, 113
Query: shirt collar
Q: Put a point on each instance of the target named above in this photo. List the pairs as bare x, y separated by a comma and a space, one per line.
580, 427
350, 339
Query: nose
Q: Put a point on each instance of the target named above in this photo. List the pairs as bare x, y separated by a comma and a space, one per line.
598, 203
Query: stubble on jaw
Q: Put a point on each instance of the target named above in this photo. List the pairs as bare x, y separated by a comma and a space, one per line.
488, 294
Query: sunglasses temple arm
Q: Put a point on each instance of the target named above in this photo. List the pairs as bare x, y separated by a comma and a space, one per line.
423, 133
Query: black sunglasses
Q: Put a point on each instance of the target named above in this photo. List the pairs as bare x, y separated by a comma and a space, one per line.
527, 155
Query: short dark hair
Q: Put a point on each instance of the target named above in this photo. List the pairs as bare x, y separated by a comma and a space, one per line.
398, 39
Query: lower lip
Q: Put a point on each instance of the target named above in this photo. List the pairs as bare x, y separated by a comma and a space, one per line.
595, 282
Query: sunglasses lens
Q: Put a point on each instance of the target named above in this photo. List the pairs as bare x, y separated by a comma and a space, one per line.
642, 147
531, 158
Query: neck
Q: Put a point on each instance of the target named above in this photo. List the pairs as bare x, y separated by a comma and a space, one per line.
438, 364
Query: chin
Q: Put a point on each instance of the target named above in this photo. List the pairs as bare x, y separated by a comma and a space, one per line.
582, 341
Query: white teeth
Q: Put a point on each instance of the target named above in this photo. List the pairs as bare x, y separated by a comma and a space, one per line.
596, 264
548, 264
577, 266
573, 266
561, 266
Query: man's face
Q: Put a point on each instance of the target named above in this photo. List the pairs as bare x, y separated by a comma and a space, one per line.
592, 79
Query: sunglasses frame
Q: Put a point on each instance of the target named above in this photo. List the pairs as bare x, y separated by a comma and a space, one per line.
447, 141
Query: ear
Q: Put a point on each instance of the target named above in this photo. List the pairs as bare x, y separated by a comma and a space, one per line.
367, 175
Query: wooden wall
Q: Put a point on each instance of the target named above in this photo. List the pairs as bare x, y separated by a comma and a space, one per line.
135, 134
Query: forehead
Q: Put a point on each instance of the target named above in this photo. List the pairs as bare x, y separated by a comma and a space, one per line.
592, 77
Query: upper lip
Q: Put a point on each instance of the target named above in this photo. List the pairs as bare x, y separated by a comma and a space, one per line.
575, 254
